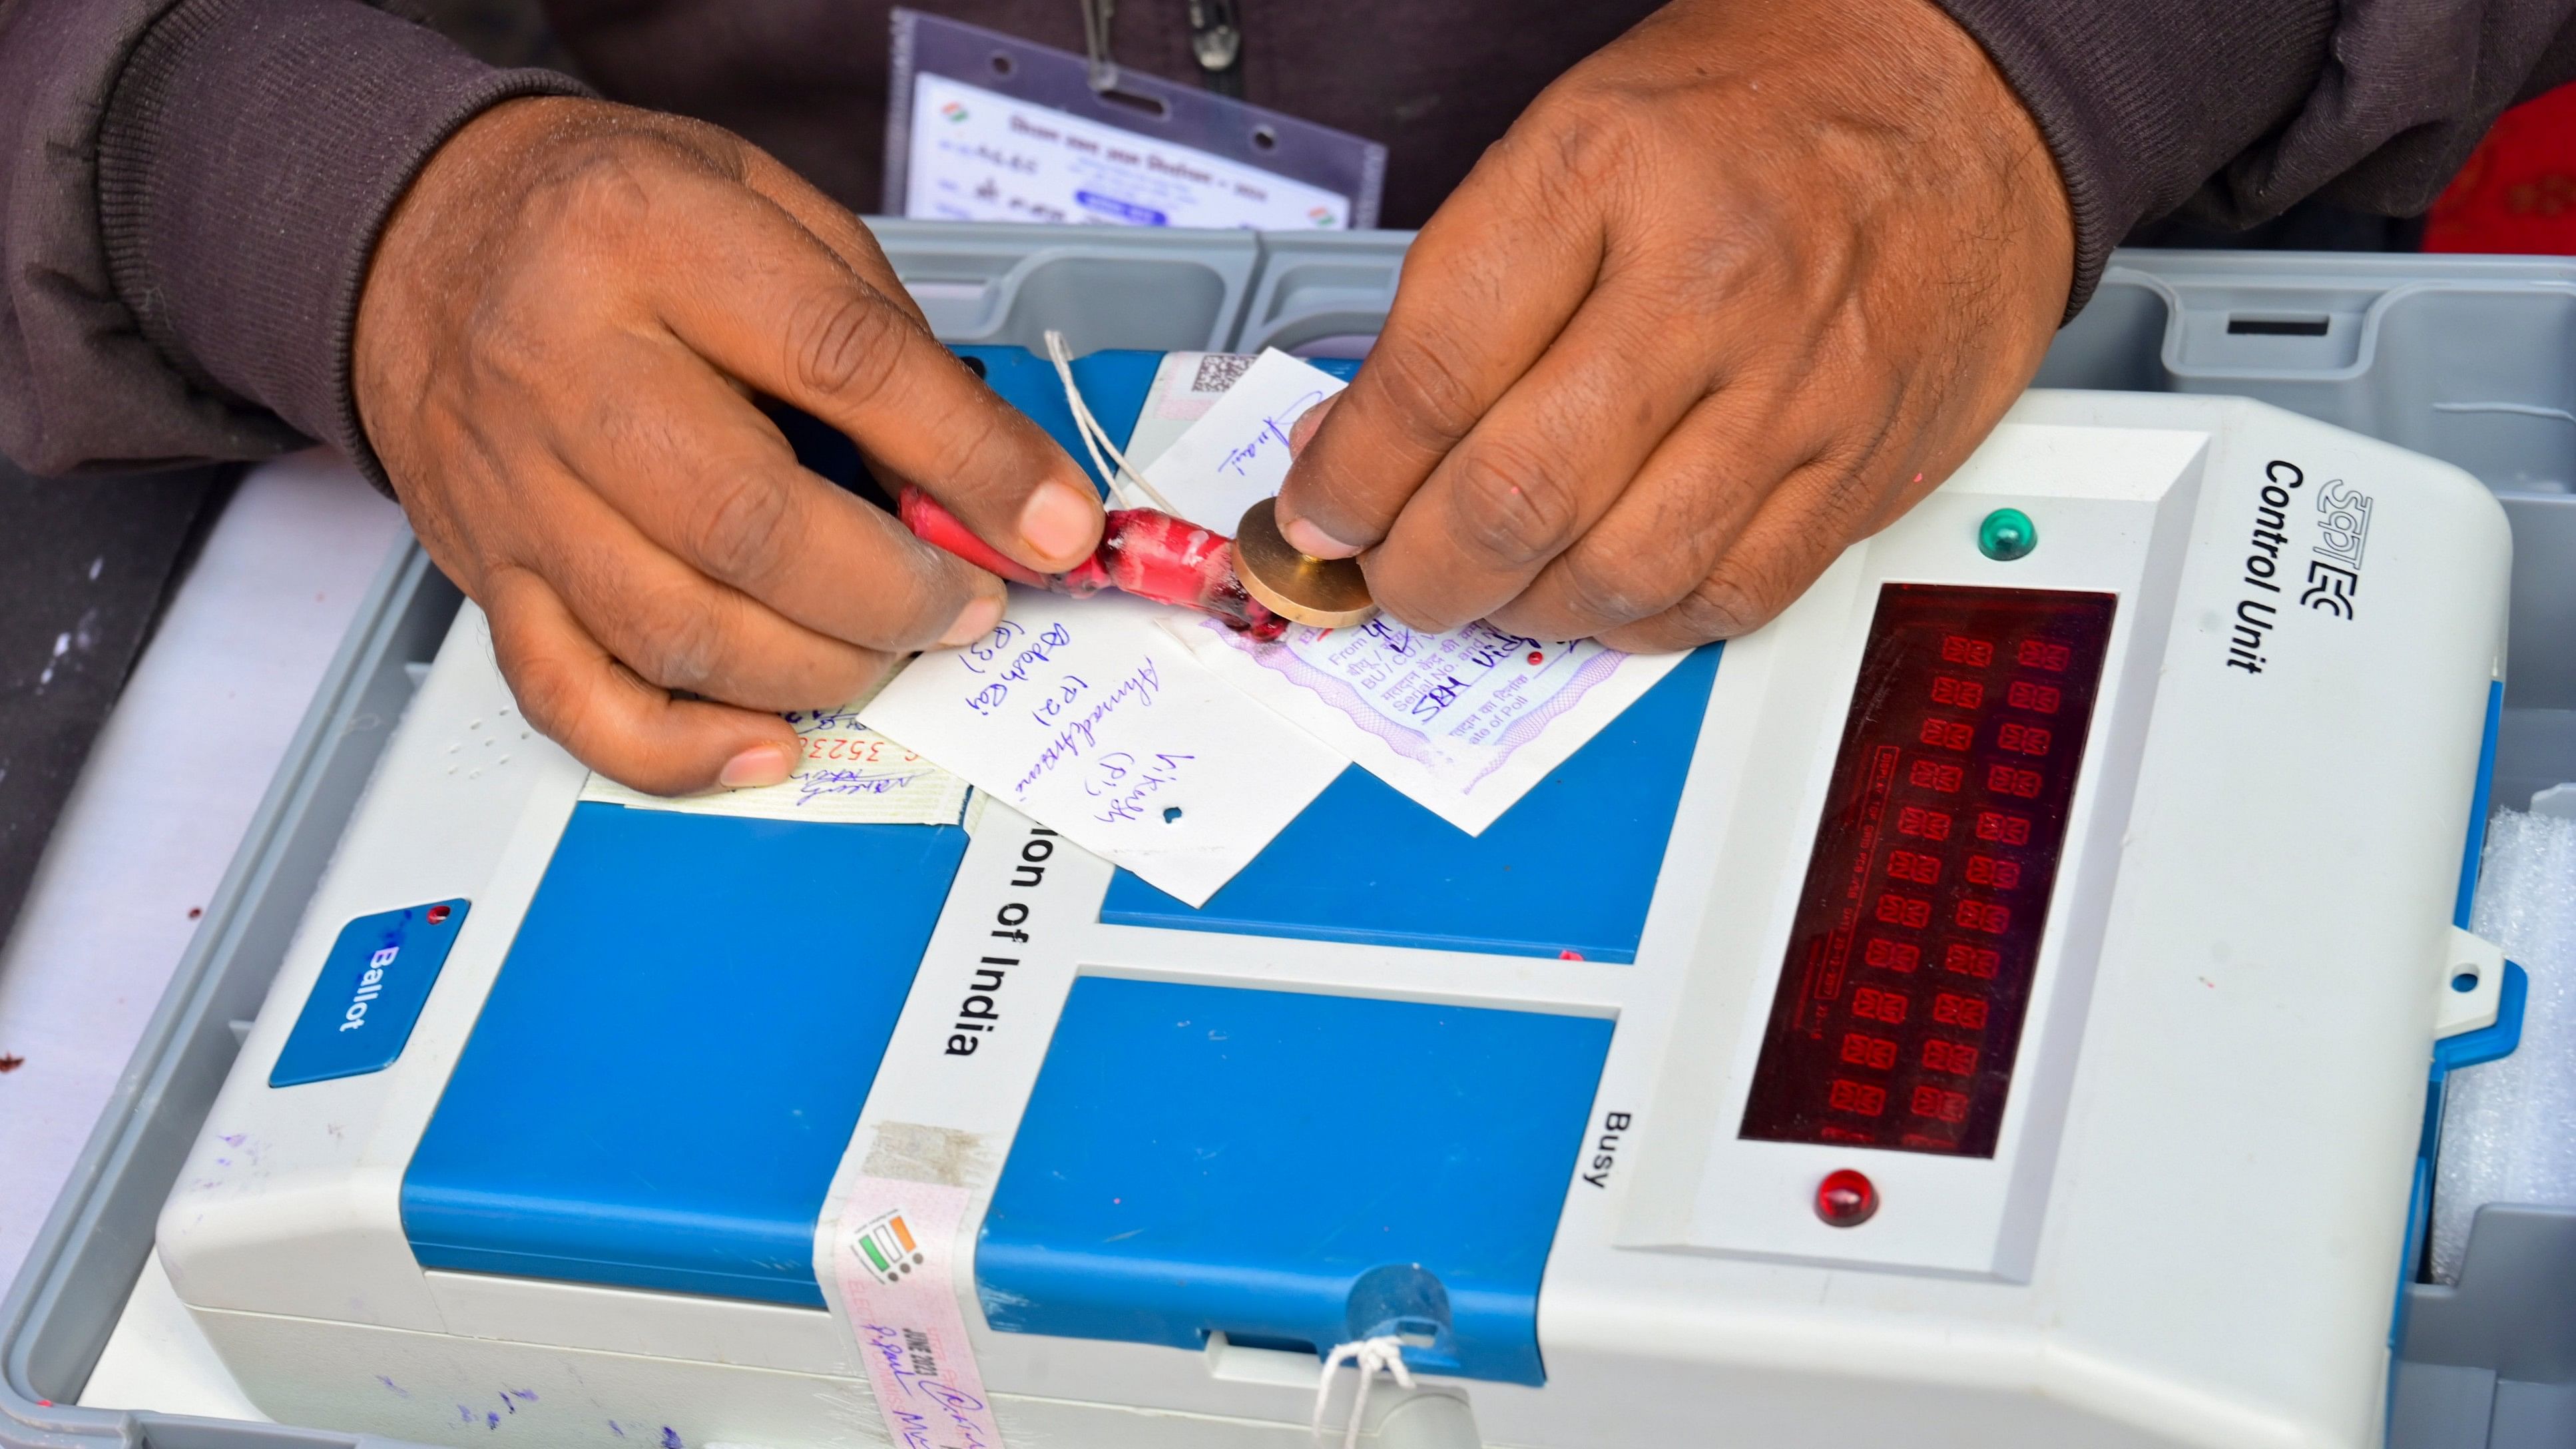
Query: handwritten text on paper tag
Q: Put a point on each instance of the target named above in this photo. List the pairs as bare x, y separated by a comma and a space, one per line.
1236, 454
1091, 720
849, 774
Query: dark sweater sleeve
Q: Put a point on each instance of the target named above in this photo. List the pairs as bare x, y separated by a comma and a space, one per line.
189, 193
2232, 110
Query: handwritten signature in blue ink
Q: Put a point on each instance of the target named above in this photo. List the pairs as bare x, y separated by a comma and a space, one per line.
816, 721
1500, 649
1126, 783
815, 785
1039, 649
1081, 733
959, 1407
1273, 434
989, 648
1068, 689
1480, 659
1434, 698
1398, 639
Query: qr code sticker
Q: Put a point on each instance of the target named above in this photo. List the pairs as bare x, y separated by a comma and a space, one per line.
1219, 370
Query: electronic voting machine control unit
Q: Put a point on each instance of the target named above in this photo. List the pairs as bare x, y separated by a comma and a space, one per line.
1990, 1005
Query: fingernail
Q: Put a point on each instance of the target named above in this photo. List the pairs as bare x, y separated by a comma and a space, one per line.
754, 767
1057, 522
974, 621
1313, 542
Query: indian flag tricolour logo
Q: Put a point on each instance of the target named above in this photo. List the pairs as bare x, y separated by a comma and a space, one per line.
887, 1245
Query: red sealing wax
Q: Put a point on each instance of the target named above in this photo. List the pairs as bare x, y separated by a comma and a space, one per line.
1143, 552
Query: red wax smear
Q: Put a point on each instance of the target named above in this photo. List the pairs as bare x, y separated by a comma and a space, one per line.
1142, 552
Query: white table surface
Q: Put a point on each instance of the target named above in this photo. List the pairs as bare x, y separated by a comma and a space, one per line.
163, 801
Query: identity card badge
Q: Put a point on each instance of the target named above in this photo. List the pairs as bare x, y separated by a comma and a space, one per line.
984, 126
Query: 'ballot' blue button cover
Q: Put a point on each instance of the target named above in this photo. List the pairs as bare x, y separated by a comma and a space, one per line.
371, 990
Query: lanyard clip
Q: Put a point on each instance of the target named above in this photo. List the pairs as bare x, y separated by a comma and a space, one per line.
1216, 38
1097, 16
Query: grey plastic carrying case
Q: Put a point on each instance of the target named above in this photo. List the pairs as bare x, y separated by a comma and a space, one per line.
2472, 360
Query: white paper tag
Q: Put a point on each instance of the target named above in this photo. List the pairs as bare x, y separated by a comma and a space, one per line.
1465, 723
1093, 721
850, 775
1236, 454
891, 1255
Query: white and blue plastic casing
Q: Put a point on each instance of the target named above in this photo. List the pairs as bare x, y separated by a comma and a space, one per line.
591, 1197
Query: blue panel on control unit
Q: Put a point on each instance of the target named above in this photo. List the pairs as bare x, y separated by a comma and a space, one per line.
1291, 1169
1571, 867
370, 992
669, 1065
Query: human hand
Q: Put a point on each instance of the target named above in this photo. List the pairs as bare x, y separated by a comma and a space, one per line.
1735, 292
559, 335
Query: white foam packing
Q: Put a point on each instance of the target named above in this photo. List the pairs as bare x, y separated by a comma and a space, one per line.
2509, 1127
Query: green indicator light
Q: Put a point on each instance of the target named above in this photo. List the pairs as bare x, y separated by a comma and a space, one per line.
2007, 534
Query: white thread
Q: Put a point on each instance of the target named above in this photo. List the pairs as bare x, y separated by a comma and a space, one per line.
1095, 438
1369, 1356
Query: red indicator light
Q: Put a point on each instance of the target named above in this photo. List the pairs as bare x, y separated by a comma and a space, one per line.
1938, 846
438, 915
1846, 1199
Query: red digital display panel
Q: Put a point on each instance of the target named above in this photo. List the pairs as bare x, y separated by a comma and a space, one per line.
1909, 967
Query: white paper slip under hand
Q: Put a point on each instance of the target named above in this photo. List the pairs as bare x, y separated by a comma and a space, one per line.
1236, 454
1096, 723
849, 775
1465, 723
